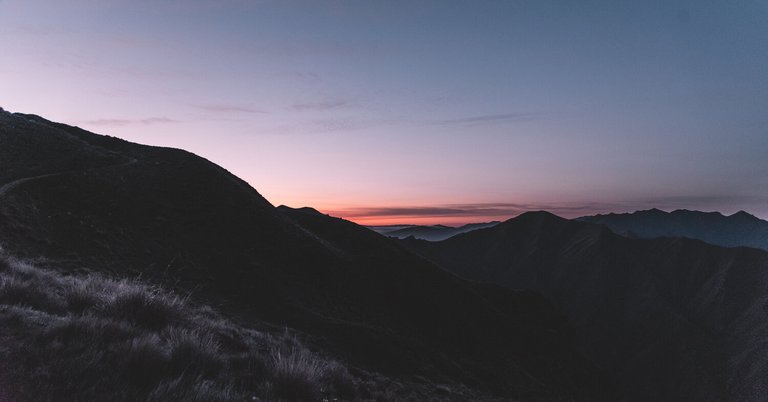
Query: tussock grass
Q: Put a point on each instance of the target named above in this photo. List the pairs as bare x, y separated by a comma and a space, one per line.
93, 338
297, 374
143, 306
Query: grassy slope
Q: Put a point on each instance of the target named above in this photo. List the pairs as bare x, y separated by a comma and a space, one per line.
91, 338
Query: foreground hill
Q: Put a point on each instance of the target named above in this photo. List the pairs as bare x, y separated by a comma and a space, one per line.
169, 217
93, 338
674, 319
738, 230
431, 233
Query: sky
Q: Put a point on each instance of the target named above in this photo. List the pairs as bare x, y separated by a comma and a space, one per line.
442, 111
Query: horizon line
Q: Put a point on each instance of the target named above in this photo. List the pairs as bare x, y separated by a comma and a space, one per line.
443, 217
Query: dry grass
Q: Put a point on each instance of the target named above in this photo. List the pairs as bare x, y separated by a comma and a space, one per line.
91, 338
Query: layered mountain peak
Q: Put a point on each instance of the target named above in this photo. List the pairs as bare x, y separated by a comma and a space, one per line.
537, 216
535, 222
744, 216
694, 213
738, 230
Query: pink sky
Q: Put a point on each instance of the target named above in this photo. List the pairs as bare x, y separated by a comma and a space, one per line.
423, 112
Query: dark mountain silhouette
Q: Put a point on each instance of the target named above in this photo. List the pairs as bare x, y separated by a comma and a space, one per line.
78, 202
738, 230
674, 319
431, 233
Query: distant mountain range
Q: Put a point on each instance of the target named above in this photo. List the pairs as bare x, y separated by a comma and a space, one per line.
674, 319
431, 233
738, 230
78, 203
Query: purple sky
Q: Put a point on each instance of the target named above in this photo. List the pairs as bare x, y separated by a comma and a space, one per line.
419, 111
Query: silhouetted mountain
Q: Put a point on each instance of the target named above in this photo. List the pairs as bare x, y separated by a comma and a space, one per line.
738, 230
431, 233
79, 203
674, 319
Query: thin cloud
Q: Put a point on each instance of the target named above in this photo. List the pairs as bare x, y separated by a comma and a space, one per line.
157, 120
126, 122
333, 125
107, 122
491, 119
698, 199
319, 106
230, 108
307, 77
329, 125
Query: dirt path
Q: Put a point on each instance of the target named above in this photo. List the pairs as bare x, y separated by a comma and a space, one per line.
10, 186
7, 187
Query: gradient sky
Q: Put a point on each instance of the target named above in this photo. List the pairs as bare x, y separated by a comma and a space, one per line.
419, 111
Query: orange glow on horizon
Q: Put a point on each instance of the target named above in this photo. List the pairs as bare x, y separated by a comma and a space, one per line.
374, 220
448, 214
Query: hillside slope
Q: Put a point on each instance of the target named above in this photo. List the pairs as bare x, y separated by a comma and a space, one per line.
673, 318
175, 219
94, 338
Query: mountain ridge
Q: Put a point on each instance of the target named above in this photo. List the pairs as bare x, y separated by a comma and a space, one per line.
674, 318
740, 229
175, 219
